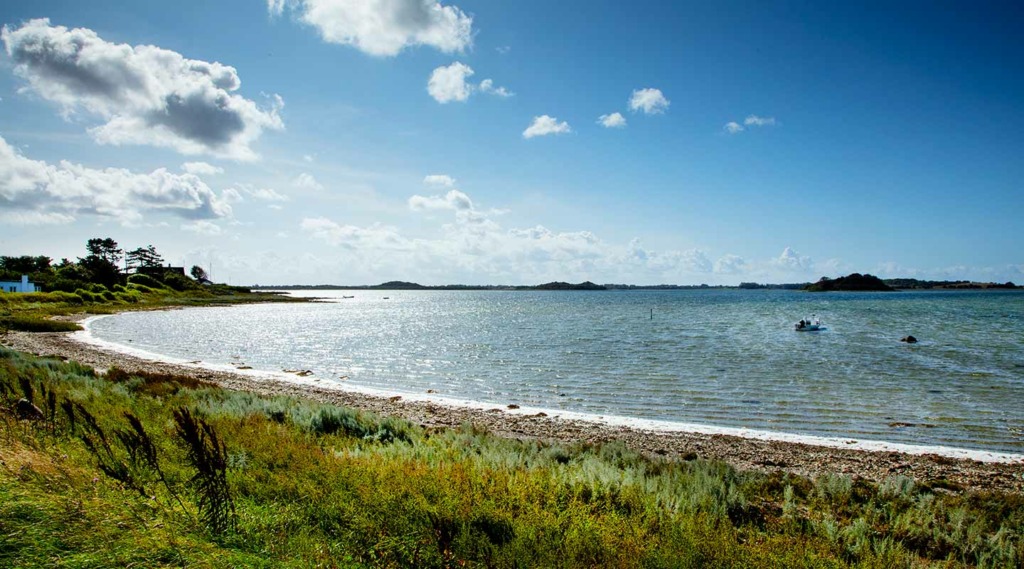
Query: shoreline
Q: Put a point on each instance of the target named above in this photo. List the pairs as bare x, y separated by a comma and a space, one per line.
748, 450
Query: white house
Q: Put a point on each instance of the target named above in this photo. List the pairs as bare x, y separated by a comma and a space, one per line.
15, 286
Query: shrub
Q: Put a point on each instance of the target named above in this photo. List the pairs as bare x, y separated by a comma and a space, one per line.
140, 288
144, 280
178, 281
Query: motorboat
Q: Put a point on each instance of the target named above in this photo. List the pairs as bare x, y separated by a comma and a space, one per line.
811, 324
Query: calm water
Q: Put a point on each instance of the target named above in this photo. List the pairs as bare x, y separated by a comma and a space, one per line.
716, 357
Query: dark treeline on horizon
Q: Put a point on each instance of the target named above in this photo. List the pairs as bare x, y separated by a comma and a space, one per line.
904, 283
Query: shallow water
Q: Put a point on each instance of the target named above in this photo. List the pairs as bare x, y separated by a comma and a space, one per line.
717, 357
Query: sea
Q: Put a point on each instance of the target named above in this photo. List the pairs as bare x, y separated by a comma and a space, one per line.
708, 360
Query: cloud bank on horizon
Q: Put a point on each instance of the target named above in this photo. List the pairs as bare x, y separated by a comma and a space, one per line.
146, 140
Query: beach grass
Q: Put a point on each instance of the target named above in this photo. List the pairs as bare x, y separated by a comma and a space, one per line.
157, 470
47, 311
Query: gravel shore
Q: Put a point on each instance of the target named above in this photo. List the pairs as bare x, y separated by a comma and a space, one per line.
743, 453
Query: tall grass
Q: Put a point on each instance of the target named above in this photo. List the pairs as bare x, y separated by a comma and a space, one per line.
156, 470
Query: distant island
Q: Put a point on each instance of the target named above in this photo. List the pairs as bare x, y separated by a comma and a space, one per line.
852, 282
404, 285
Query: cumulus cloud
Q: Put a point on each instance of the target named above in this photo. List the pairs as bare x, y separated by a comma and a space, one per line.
32, 189
146, 95
383, 27
471, 244
439, 181
650, 101
793, 262
487, 86
375, 237
453, 200
730, 265
449, 84
545, 125
306, 181
614, 120
733, 127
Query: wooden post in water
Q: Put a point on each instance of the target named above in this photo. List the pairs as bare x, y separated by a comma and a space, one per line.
652, 314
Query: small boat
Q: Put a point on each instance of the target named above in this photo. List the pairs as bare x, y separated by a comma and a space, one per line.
808, 325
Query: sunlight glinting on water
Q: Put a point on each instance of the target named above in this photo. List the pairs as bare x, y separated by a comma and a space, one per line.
718, 357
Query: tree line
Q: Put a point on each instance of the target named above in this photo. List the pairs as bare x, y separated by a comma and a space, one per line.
105, 263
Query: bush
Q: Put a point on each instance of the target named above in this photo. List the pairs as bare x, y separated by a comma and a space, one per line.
88, 296
144, 280
178, 281
66, 285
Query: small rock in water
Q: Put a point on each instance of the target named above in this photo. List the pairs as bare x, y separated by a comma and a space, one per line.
513, 406
909, 339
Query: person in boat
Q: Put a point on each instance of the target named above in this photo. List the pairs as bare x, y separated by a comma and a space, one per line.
802, 324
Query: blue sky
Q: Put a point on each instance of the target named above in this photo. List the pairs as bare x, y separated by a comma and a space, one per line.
353, 142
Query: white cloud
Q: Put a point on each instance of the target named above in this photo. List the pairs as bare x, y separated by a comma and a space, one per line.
146, 95
384, 27
449, 84
545, 125
614, 120
231, 195
204, 227
734, 127
754, 120
308, 157
487, 86
730, 265
201, 169
439, 181
33, 218
503, 49
650, 101
453, 200
306, 181
375, 237
793, 262
267, 195
63, 191
472, 246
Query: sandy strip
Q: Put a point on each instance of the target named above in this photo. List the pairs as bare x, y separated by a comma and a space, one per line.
743, 452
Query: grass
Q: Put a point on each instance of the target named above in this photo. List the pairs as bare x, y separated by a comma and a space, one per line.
157, 470
35, 312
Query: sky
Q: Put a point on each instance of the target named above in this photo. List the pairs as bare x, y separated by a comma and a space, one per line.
484, 142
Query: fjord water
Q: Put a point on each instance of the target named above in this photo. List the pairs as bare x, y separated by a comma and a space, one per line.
716, 357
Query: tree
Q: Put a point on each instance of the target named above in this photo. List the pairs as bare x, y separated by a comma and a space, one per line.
105, 249
143, 257
25, 264
101, 263
199, 274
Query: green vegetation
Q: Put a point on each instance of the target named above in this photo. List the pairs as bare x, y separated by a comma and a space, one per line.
852, 282
151, 470
95, 284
